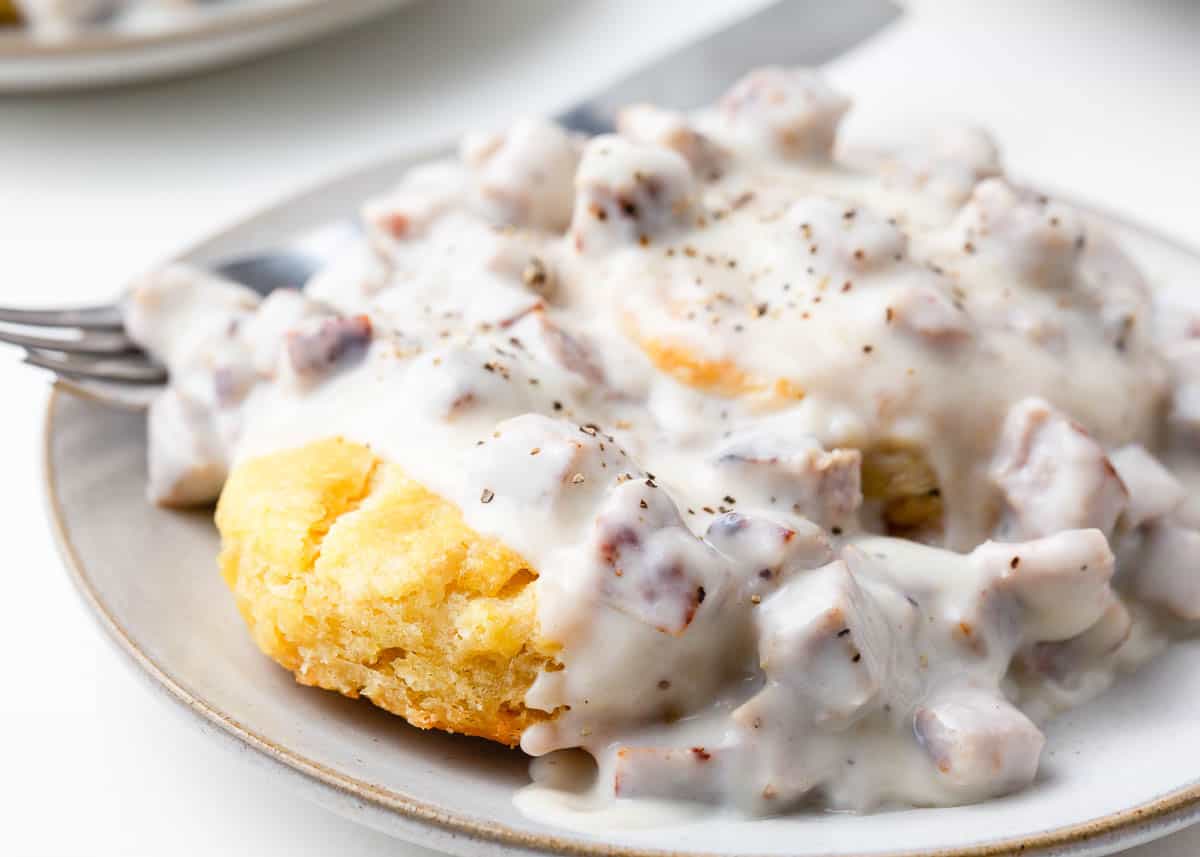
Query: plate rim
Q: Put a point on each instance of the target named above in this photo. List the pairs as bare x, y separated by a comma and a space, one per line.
1153, 819
19, 45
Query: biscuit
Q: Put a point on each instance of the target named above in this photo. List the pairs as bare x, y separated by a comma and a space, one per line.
900, 477
359, 580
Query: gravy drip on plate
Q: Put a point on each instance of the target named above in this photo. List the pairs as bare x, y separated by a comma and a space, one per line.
840, 473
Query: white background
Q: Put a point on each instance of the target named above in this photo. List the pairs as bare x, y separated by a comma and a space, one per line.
1099, 98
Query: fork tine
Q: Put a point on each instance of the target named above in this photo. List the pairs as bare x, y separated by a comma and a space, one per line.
126, 371
87, 318
88, 342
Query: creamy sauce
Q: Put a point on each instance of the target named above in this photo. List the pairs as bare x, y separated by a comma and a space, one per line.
702, 375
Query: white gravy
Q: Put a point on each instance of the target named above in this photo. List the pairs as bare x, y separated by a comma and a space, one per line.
654, 363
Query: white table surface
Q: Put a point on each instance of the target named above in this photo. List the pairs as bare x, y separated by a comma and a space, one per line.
1101, 98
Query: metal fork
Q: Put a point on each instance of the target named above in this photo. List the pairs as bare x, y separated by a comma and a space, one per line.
90, 354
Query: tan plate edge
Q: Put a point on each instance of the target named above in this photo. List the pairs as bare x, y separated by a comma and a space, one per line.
18, 43
1171, 810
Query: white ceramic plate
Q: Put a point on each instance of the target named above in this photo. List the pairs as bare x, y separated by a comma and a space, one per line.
220, 34
1120, 771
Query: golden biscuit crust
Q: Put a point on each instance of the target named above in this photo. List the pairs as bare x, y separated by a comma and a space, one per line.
360, 580
901, 478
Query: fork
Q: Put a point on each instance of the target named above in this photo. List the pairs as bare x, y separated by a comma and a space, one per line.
90, 354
